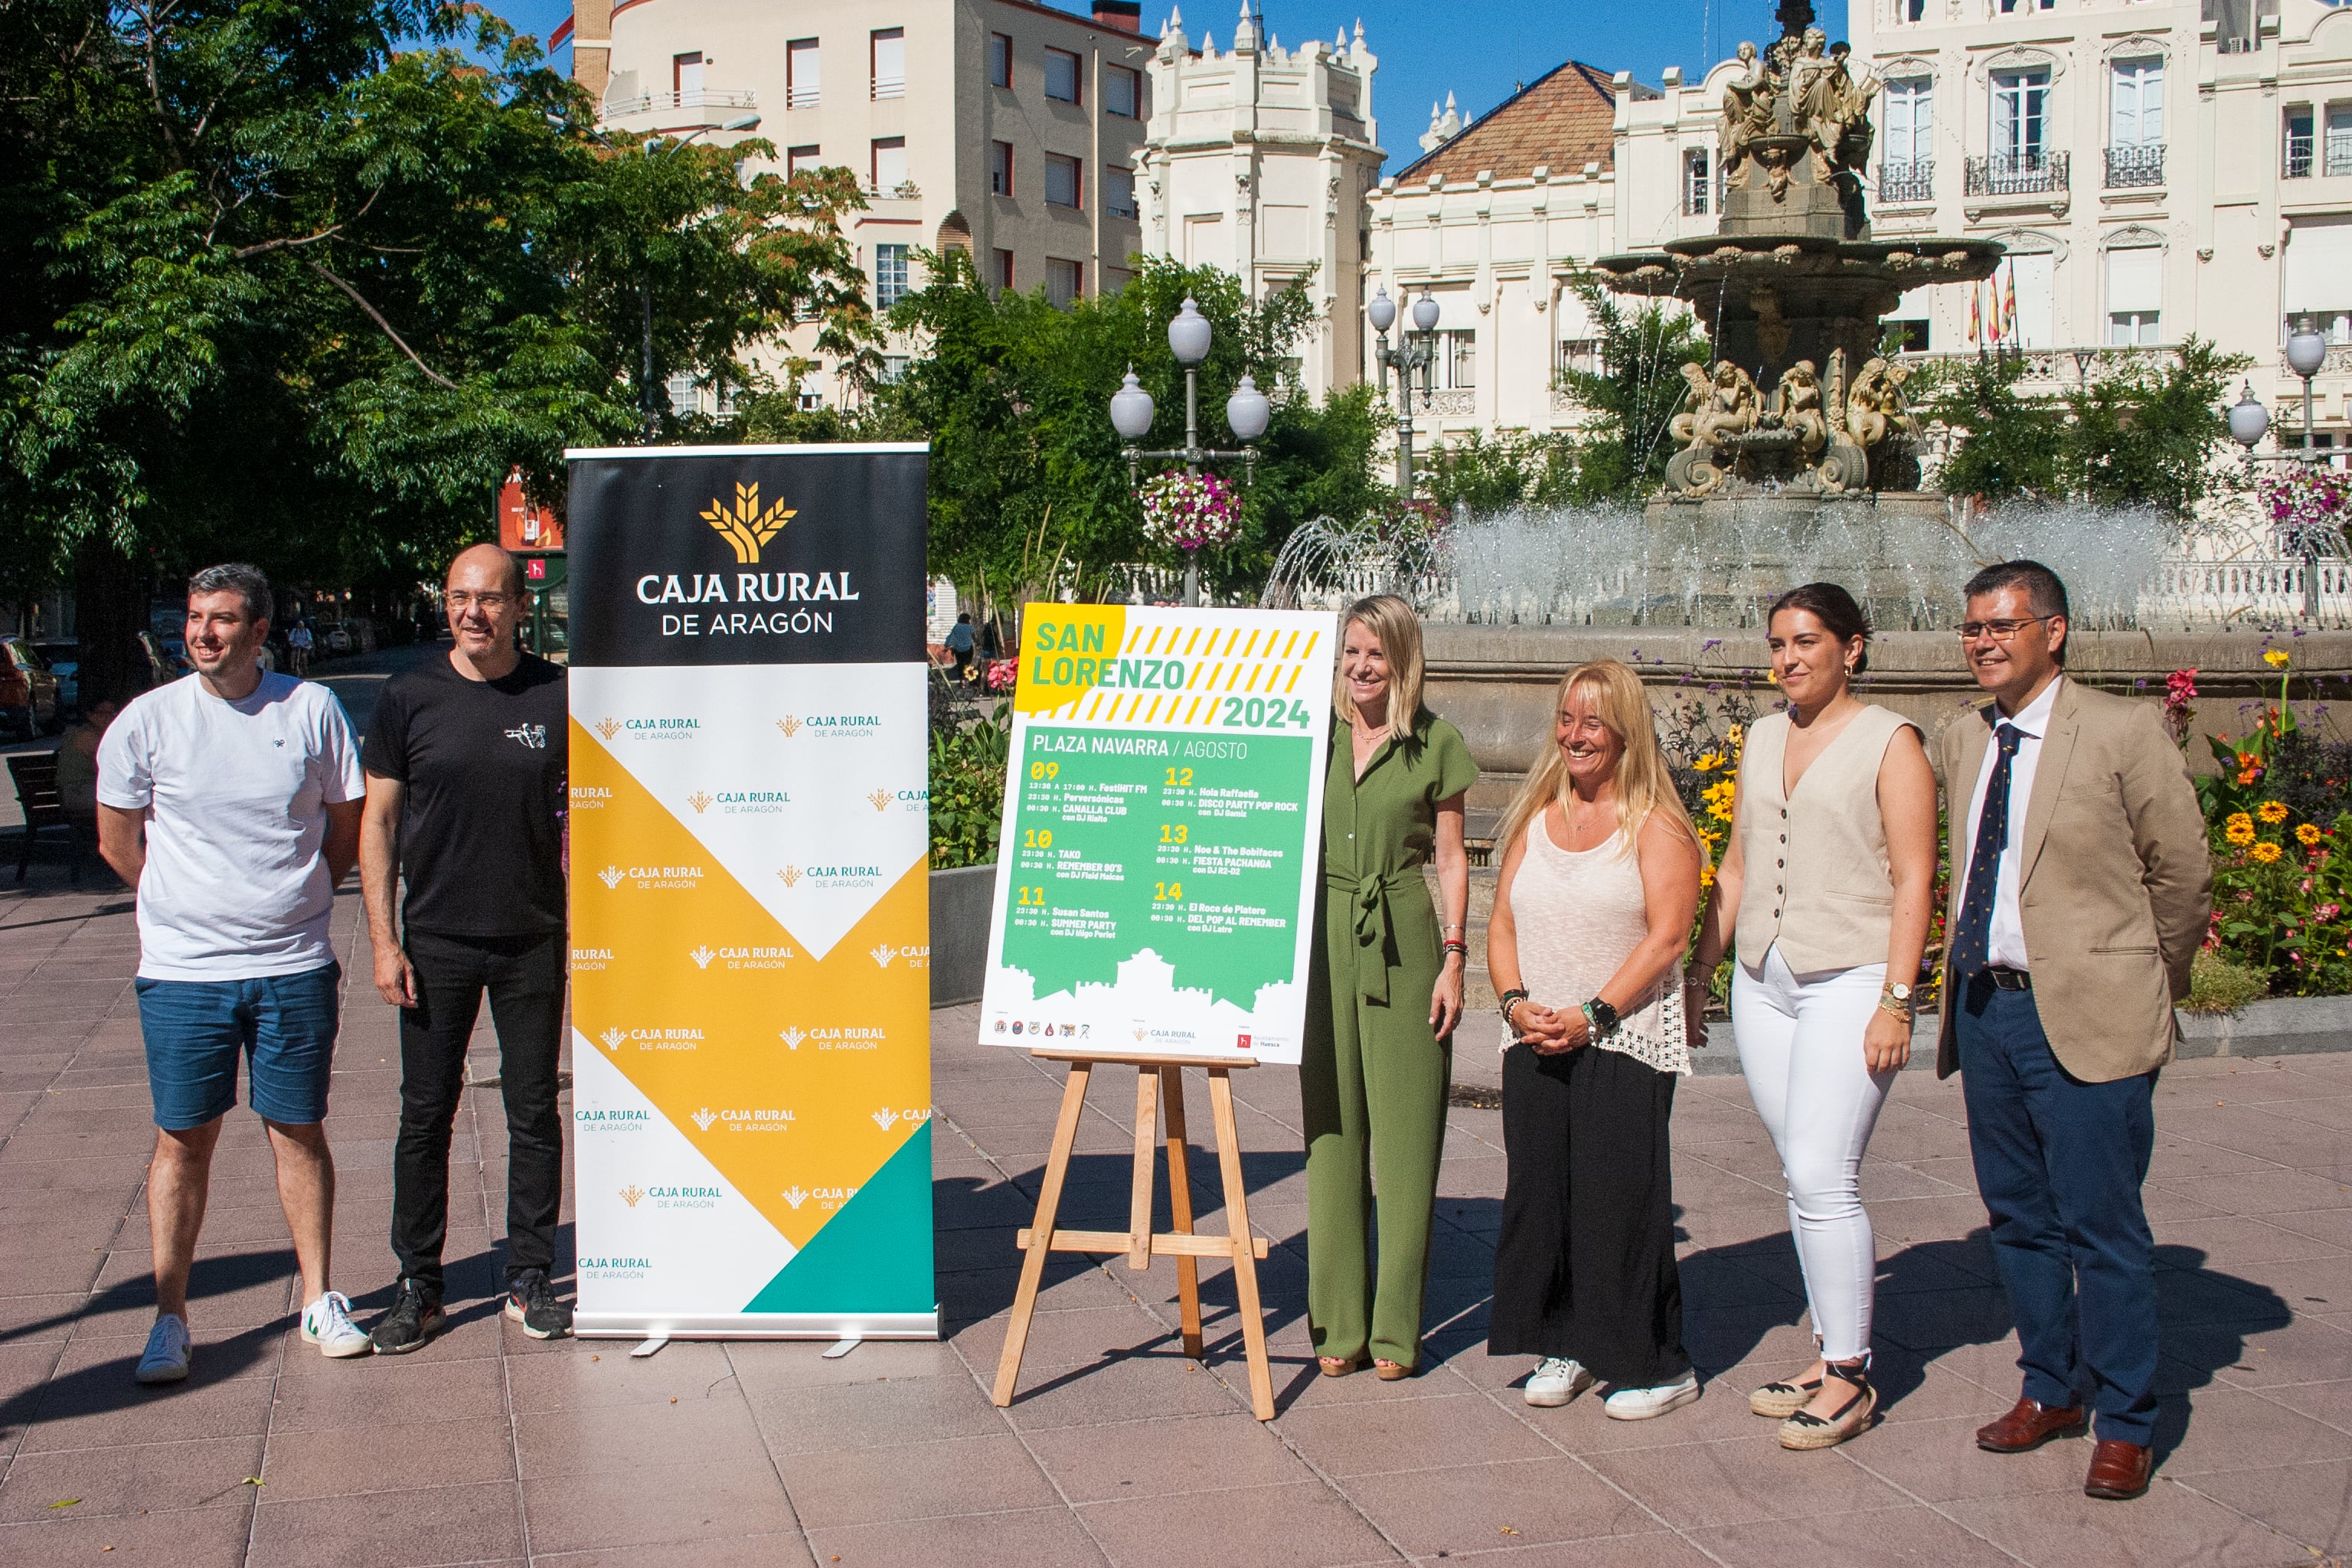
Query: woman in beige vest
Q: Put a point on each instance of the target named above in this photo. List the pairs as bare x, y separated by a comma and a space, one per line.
1826, 888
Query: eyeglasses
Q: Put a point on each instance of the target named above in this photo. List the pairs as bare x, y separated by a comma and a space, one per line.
460, 599
2000, 631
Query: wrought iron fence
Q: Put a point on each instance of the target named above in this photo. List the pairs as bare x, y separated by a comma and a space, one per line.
2016, 174
1907, 182
2140, 165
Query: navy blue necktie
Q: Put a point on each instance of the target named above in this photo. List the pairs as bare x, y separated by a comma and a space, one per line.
1971, 944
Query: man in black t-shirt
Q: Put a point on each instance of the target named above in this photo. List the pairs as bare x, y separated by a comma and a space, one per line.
465, 793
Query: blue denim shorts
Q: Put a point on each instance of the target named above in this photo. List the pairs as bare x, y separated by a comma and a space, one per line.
284, 1024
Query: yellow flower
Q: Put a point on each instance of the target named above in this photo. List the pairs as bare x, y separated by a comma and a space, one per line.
1709, 763
2276, 656
2241, 836
2238, 820
2307, 835
2264, 854
1706, 876
1737, 736
2272, 812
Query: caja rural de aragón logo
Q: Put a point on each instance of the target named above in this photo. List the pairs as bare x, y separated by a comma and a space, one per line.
747, 528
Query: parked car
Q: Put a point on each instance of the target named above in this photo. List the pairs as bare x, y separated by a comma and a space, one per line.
63, 656
161, 665
29, 691
337, 637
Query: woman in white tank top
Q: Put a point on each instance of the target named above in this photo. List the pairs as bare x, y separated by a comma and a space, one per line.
1826, 888
1594, 905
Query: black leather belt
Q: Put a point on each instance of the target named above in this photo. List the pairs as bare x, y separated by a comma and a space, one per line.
2005, 978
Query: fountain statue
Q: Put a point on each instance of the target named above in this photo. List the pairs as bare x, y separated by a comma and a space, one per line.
1792, 288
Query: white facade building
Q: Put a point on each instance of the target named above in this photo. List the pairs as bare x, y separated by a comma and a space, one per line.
1009, 129
1258, 162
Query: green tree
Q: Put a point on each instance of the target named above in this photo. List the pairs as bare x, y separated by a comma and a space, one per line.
2145, 436
1029, 492
288, 294
1491, 474
2006, 446
1631, 401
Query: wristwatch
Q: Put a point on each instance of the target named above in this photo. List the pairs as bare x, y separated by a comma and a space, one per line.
1897, 999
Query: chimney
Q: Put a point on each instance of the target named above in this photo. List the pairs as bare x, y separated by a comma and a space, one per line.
1124, 16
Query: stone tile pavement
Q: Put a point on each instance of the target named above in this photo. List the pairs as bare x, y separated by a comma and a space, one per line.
488, 1448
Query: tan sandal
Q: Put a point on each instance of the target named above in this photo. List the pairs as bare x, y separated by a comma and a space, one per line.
1804, 1430
1779, 1401
1338, 1365
1390, 1371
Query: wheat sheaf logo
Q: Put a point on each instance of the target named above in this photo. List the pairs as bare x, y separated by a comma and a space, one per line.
610, 875
630, 1193
879, 800
789, 875
884, 955
703, 955
791, 1039
704, 1117
789, 725
747, 528
795, 1196
886, 1119
608, 728
700, 801
613, 1038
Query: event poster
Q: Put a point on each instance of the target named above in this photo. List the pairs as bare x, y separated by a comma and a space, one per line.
750, 898
1156, 878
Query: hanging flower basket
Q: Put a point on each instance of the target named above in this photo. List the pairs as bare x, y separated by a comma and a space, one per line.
2306, 497
1183, 512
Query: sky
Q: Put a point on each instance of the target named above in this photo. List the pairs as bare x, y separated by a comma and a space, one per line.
1479, 50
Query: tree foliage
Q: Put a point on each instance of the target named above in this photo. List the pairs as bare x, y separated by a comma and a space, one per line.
1029, 492
283, 292
1629, 402
2143, 433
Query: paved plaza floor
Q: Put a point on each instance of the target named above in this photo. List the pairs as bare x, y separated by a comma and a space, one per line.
489, 1448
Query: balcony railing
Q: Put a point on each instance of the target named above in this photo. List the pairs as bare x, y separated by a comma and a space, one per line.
887, 86
2139, 165
670, 102
1913, 180
2016, 175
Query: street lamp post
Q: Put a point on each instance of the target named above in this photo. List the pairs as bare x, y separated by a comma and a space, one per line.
1416, 352
2307, 351
657, 146
1247, 412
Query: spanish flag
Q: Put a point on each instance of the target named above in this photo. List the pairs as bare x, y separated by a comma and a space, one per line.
2008, 305
1995, 329
1976, 313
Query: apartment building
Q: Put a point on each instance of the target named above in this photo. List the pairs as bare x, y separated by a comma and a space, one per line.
1008, 130
1258, 161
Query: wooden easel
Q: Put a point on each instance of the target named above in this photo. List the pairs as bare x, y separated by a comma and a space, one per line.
1159, 1080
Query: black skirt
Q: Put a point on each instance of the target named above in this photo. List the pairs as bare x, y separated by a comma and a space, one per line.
1585, 1266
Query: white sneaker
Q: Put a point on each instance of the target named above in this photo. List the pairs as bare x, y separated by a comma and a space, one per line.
327, 1323
168, 1350
1641, 1404
1556, 1381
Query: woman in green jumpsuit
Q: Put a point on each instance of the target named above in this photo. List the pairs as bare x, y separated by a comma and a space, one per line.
1383, 998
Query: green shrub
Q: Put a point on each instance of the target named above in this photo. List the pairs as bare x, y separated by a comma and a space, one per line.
968, 791
2220, 984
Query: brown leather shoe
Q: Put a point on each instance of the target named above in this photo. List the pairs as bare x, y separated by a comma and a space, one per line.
2028, 1425
2119, 1470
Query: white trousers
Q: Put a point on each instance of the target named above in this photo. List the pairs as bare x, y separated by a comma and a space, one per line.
1800, 1040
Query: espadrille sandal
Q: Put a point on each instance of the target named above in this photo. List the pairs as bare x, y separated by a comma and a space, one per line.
1804, 1431
1781, 1400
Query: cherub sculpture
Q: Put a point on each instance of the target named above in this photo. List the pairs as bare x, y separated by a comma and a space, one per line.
1876, 408
1719, 405
1798, 396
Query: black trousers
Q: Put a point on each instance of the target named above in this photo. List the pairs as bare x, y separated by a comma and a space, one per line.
1585, 1265
524, 978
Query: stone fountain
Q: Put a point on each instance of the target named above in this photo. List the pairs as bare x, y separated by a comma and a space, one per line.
1791, 289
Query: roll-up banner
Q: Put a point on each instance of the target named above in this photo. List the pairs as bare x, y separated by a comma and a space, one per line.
750, 911
1155, 886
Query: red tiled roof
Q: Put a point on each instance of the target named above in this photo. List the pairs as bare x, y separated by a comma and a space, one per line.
1562, 119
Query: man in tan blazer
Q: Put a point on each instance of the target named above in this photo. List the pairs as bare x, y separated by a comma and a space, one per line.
2080, 891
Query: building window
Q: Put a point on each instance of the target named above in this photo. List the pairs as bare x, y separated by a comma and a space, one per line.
888, 62
1910, 333
1115, 279
1906, 168
1000, 60
2235, 23
1698, 183
2315, 283
800, 74
889, 275
1458, 359
2300, 142
889, 165
2014, 7
802, 160
1005, 270
1062, 74
685, 78
1118, 193
1000, 168
1062, 182
1065, 280
1122, 92
894, 367
682, 400
2135, 294
812, 391
1914, 10
2136, 124
1579, 356
2021, 115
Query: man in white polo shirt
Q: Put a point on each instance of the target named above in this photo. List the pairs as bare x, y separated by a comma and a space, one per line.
248, 787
